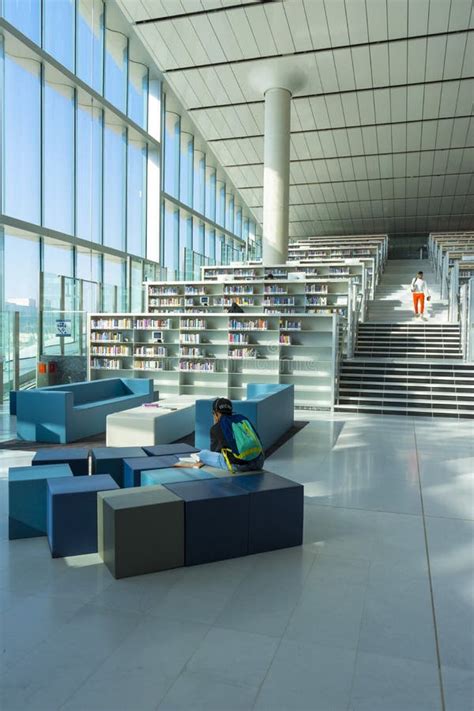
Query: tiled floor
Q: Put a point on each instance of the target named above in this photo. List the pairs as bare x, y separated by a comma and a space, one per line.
374, 613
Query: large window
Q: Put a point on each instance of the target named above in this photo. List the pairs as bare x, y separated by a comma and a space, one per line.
25, 15
138, 93
211, 193
199, 181
116, 51
90, 42
58, 147
170, 242
136, 197
22, 128
220, 204
58, 30
114, 291
89, 173
186, 169
171, 155
114, 186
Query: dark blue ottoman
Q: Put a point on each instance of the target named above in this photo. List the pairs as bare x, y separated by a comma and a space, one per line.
140, 530
109, 460
72, 513
178, 448
27, 494
173, 475
132, 468
276, 511
216, 520
76, 457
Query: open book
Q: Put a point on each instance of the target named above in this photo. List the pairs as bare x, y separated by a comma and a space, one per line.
191, 461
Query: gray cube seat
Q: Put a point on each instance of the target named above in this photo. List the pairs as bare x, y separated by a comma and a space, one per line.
140, 530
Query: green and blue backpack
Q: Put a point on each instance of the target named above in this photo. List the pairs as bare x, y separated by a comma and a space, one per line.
244, 442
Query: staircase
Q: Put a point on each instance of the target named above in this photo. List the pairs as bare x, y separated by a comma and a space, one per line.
404, 340
393, 299
404, 365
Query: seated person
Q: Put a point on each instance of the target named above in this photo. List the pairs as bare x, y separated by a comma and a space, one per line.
234, 308
235, 444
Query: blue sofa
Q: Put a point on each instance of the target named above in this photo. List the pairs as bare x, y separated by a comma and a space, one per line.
270, 408
66, 413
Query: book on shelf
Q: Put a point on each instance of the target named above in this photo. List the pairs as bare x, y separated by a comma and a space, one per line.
110, 350
190, 338
147, 323
150, 351
125, 323
106, 363
198, 323
287, 325
243, 353
238, 338
250, 325
149, 365
206, 366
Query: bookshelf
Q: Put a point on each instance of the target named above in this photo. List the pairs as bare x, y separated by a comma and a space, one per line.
218, 354
324, 294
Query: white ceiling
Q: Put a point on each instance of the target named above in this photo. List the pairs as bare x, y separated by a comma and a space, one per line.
382, 132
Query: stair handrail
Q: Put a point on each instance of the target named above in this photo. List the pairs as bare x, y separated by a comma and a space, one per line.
466, 318
453, 294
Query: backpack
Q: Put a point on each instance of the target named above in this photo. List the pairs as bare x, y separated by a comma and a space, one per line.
244, 442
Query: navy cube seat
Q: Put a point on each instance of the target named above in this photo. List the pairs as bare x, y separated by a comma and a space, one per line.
109, 460
76, 457
216, 520
132, 468
173, 475
177, 448
72, 513
27, 494
276, 511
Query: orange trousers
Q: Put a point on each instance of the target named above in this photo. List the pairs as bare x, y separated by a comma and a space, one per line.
419, 300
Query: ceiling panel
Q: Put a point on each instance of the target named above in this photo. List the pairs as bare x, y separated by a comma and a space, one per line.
380, 120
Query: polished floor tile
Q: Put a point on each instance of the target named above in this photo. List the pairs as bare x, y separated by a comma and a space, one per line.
343, 623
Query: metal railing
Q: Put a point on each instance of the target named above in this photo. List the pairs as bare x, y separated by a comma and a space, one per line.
466, 319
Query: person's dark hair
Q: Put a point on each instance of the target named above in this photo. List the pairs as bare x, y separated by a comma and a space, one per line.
419, 274
222, 405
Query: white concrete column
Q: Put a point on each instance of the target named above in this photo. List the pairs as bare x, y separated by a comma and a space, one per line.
276, 176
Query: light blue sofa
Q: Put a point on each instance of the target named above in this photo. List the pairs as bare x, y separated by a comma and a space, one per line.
66, 413
270, 408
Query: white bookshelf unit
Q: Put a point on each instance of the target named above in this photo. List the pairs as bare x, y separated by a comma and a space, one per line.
217, 354
323, 295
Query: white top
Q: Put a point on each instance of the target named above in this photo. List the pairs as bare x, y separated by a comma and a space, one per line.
420, 286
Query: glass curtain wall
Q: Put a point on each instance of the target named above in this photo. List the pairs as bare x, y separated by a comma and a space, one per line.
191, 179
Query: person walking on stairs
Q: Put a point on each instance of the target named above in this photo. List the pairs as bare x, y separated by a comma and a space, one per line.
419, 288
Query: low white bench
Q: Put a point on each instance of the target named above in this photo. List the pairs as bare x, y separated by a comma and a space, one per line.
161, 422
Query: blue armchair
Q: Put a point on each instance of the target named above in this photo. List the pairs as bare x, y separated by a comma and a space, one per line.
270, 408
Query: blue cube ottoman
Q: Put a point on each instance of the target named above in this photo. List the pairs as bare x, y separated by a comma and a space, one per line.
109, 460
72, 513
132, 468
76, 457
140, 530
216, 514
178, 448
27, 494
173, 475
276, 511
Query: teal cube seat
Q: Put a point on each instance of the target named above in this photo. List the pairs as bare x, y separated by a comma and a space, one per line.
132, 468
173, 475
27, 491
140, 530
